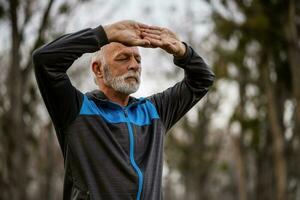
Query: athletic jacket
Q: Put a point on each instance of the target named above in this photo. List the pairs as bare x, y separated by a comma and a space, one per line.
112, 152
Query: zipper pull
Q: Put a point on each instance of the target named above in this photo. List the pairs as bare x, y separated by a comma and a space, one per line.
125, 113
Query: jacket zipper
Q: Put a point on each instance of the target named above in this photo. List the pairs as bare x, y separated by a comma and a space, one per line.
131, 155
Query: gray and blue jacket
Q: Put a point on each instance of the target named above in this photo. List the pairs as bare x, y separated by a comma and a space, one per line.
112, 152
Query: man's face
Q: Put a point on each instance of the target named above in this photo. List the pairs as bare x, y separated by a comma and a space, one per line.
122, 68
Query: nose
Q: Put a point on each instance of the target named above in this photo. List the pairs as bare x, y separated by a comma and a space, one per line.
134, 65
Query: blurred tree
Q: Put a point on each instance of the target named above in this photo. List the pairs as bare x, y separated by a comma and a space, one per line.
29, 161
15, 132
259, 40
256, 44
191, 148
193, 155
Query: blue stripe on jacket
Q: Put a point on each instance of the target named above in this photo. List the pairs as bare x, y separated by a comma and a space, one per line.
113, 113
139, 113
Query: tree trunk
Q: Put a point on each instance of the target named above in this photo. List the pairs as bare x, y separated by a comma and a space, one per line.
294, 59
240, 165
15, 151
265, 180
277, 136
15, 134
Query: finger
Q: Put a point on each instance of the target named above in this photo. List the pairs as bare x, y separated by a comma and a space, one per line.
150, 35
150, 46
143, 26
140, 42
169, 45
156, 28
154, 42
171, 48
152, 31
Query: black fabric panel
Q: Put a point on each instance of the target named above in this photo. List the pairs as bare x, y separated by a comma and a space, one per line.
99, 160
149, 148
176, 101
98, 156
51, 62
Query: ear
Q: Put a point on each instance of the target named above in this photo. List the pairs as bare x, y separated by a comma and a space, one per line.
97, 69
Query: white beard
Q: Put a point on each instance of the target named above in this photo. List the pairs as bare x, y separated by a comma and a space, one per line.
119, 83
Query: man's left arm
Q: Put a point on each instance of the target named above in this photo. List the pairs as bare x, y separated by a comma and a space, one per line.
176, 101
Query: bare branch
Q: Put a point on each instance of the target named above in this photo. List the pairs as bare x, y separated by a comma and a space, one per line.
28, 15
41, 33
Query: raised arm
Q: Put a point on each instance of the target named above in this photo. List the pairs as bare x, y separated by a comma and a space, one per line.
52, 61
174, 102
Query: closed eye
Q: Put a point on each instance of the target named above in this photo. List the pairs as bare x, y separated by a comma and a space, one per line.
138, 60
125, 58
122, 58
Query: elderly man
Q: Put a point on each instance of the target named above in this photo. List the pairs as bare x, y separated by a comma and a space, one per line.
112, 143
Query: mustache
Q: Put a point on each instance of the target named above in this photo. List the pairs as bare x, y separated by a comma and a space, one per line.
133, 74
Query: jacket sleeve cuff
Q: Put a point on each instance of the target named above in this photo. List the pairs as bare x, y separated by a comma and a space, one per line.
100, 36
183, 61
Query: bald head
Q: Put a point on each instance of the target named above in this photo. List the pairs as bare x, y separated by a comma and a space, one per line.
117, 62
112, 50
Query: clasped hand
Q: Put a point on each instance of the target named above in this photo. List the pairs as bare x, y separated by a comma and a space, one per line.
133, 33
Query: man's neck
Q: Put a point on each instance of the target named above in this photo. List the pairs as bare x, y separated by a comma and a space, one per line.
116, 97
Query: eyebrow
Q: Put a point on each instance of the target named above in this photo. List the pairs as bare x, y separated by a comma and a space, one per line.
127, 53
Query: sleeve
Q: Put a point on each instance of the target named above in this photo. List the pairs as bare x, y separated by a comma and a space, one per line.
176, 101
51, 62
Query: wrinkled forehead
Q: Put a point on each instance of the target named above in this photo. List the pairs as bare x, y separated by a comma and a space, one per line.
115, 48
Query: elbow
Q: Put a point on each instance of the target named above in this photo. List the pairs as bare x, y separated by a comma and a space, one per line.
36, 57
211, 79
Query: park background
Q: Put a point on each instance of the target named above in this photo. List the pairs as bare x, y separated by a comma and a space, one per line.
242, 141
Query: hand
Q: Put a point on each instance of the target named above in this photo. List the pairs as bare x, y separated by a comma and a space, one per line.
127, 32
165, 39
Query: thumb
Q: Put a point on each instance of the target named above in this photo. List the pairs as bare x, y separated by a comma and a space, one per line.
141, 42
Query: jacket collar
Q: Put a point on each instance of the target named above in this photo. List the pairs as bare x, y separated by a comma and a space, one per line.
99, 96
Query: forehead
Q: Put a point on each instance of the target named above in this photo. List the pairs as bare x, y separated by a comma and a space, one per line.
114, 49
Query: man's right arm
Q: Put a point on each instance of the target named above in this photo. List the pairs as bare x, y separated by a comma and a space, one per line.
51, 62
